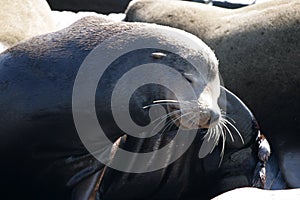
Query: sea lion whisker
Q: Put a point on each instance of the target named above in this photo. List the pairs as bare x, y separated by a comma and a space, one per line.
222, 111
223, 143
193, 122
166, 116
223, 122
157, 104
209, 134
180, 116
170, 101
229, 118
214, 134
216, 139
170, 114
239, 134
162, 118
220, 128
166, 101
228, 130
183, 115
225, 116
169, 124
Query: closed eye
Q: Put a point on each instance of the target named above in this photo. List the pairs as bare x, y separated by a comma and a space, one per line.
189, 77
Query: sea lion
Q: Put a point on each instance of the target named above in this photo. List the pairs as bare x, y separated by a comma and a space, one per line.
21, 20
258, 50
43, 154
99, 6
228, 3
64, 19
292, 194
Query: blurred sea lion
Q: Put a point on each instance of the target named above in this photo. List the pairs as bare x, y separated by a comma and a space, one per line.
20, 20
291, 194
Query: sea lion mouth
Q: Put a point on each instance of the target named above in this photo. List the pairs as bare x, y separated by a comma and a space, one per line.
190, 115
194, 117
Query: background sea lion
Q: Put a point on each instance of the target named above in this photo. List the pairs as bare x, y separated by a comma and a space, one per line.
292, 194
42, 154
24, 19
258, 50
116, 6
99, 6
64, 19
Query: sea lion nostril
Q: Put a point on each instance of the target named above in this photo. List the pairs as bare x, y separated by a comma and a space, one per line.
214, 117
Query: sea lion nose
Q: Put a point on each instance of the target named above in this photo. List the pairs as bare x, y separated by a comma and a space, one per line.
214, 117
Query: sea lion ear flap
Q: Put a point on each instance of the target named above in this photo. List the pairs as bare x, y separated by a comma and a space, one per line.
240, 120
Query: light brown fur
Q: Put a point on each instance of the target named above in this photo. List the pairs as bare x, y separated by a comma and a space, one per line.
24, 19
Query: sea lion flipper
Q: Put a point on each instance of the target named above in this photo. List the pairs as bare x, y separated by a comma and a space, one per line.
87, 189
264, 149
263, 153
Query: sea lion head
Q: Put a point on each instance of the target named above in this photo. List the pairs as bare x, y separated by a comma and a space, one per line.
204, 111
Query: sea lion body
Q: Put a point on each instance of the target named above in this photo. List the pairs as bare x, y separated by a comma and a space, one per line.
42, 154
47, 66
99, 6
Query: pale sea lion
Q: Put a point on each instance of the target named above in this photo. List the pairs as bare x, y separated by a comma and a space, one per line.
292, 194
24, 19
258, 50
99, 6
64, 19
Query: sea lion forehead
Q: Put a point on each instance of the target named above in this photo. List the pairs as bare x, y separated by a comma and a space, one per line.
180, 42
189, 43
